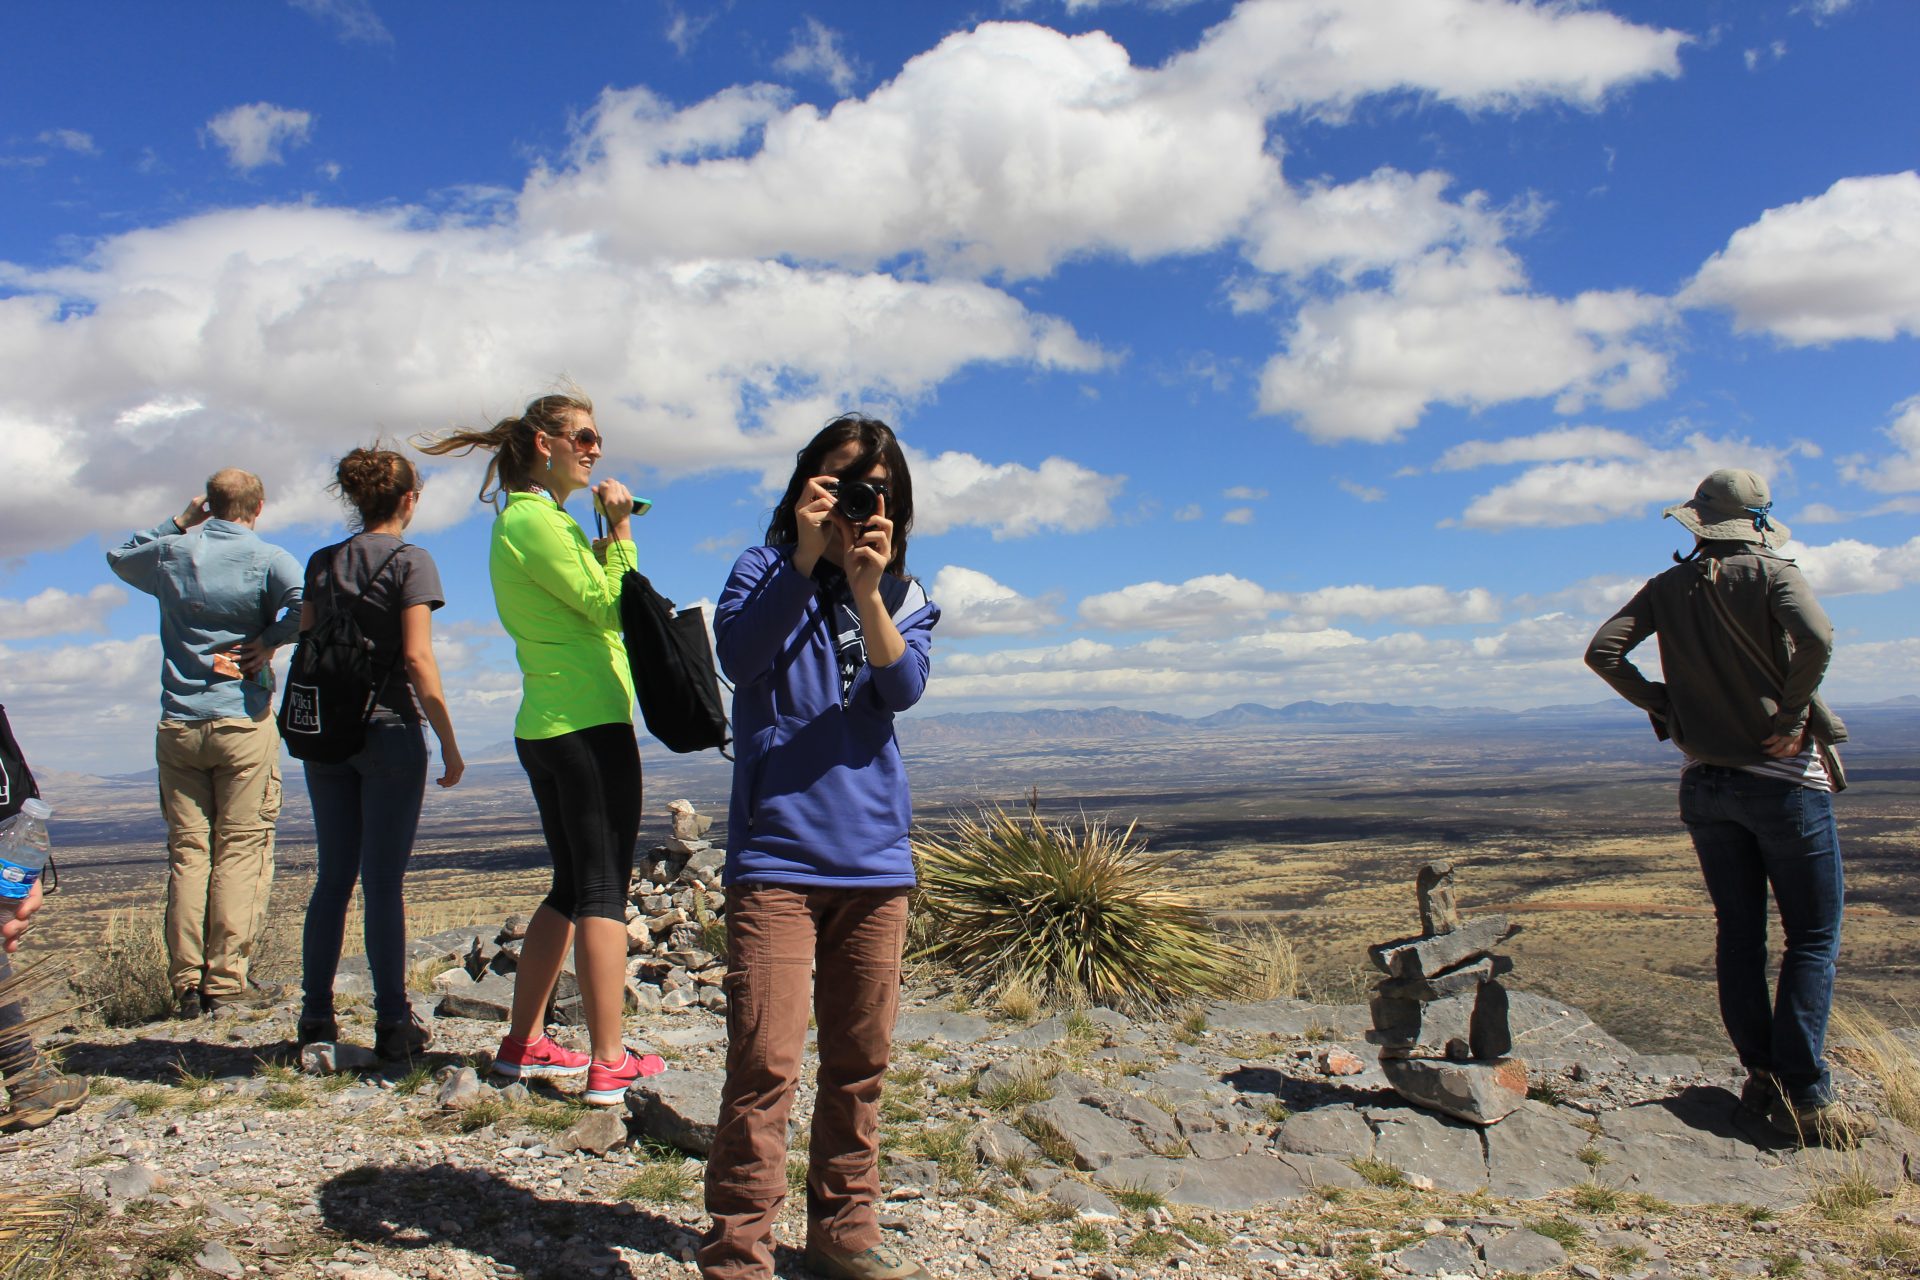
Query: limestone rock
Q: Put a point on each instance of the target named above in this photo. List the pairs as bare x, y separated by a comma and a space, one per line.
1452, 982
216, 1258
998, 1143
460, 1090
1522, 1253
1480, 1093
1340, 1062
325, 1059
1086, 1203
1414, 1029
598, 1132
1442, 1150
1536, 1151
1095, 1139
490, 1000
688, 824
678, 1107
1437, 1255
1426, 957
134, 1181
959, 1029
1338, 1130
1438, 912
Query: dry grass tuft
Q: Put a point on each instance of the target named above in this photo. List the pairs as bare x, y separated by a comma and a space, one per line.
126, 982
1272, 964
1865, 1044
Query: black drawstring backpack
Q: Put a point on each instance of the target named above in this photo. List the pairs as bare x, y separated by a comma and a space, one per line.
673, 672
331, 682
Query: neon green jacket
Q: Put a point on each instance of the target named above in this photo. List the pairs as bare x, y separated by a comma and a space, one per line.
563, 611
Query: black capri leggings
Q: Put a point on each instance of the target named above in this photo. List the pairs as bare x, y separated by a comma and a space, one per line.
587, 786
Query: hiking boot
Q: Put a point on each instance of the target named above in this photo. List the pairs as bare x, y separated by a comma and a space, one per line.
393, 1040
214, 1008
1826, 1124
539, 1058
607, 1083
1759, 1093
321, 1029
881, 1262
186, 1004
37, 1095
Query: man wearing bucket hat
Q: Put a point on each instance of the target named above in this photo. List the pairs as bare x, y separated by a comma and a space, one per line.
1743, 647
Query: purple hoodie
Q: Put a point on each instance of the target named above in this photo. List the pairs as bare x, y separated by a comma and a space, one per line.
819, 792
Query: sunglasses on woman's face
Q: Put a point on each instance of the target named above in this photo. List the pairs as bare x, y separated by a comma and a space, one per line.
582, 437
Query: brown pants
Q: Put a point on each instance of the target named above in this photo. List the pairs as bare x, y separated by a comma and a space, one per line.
220, 791
776, 936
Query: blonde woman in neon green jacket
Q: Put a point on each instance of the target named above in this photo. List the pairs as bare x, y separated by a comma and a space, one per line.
559, 598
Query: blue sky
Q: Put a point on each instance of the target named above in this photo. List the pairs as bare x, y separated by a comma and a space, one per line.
1255, 351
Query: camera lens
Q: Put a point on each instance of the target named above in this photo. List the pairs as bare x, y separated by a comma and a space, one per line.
858, 500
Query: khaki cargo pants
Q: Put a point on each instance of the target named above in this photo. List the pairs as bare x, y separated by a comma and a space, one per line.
220, 792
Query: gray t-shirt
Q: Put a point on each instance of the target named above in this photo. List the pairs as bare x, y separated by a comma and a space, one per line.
412, 578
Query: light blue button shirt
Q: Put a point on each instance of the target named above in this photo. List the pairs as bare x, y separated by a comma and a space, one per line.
218, 583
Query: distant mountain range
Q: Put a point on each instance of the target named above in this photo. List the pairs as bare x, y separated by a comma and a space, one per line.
1120, 722
1061, 723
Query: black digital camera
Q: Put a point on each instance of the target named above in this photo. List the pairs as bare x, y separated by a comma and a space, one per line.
859, 500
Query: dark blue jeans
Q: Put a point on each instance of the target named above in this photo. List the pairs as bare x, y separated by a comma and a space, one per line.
1751, 833
365, 812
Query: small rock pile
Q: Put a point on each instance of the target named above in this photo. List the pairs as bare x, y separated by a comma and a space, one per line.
675, 939
1440, 1016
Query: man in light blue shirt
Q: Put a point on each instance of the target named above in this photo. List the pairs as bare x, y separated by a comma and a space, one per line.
227, 601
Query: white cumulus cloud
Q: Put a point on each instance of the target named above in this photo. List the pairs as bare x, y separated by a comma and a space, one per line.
1851, 567
54, 612
1842, 264
1899, 472
1555, 445
1461, 328
1591, 490
816, 51
352, 20
73, 140
259, 133
956, 490
973, 604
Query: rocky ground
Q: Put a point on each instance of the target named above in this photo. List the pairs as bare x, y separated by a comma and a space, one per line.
1249, 1140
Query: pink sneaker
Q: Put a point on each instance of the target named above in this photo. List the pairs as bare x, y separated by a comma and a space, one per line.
539, 1057
607, 1083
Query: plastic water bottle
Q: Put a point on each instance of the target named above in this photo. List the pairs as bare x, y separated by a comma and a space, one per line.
24, 850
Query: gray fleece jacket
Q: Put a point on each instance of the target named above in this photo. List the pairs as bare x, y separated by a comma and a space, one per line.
1718, 703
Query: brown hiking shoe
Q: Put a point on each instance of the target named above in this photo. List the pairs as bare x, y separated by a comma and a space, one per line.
881, 1262
1832, 1124
37, 1095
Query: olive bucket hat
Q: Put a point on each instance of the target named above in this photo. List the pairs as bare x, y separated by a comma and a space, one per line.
1731, 506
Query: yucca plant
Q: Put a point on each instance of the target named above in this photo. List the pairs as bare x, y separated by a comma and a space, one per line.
1076, 911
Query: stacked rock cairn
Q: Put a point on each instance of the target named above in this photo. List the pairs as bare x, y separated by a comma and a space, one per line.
675, 938
1440, 1014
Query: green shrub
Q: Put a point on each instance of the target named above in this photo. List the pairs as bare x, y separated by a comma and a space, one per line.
1076, 912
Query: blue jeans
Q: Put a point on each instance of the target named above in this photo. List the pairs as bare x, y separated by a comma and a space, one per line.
1751, 832
365, 812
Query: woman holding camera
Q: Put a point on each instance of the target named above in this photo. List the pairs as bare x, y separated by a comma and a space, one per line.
826, 640
574, 731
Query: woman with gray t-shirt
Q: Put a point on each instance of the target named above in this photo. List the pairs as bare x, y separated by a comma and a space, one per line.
366, 808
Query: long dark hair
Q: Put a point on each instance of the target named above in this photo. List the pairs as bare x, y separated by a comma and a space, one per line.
877, 444
510, 441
